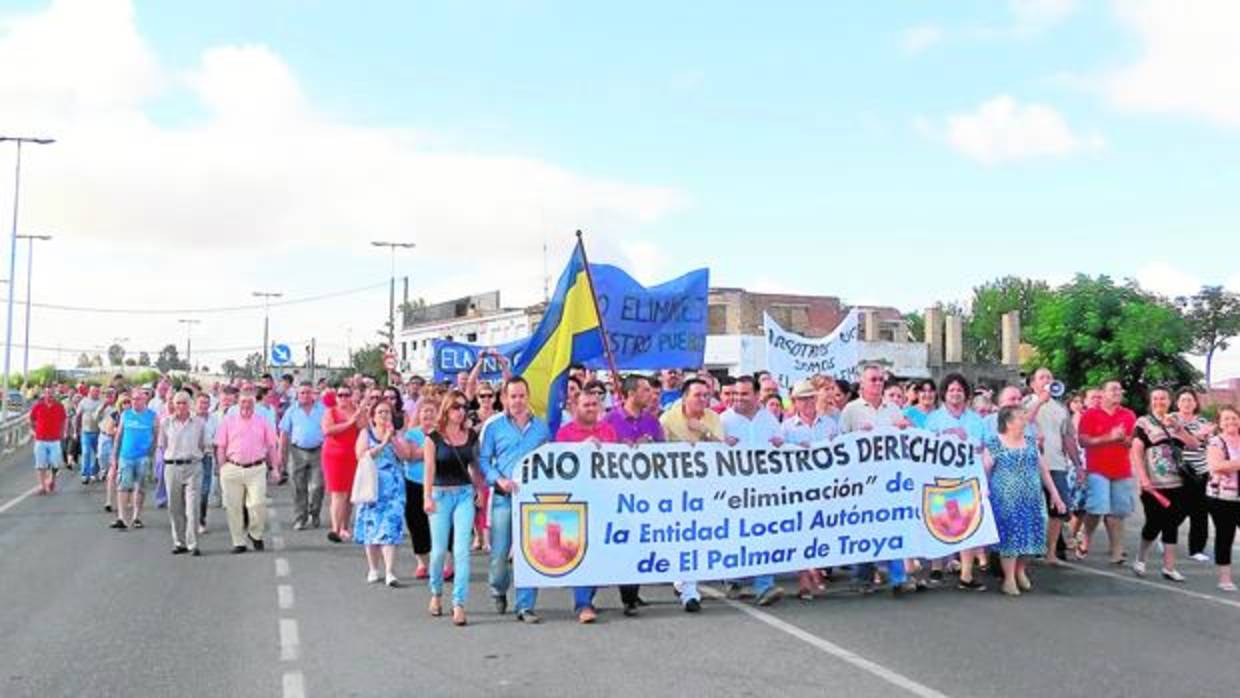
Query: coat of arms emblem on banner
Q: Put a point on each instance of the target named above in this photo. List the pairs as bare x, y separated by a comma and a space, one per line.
553, 534
952, 508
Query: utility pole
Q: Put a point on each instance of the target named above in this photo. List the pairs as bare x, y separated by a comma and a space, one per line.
391, 324
8, 325
266, 296
189, 327
29, 275
311, 359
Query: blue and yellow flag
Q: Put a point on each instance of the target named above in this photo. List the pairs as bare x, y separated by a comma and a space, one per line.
570, 333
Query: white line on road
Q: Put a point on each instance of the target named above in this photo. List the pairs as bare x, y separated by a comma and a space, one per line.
18, 499
290, 641
1144, 582
281, 567
840, 653
294, 685
284, 593
277, 542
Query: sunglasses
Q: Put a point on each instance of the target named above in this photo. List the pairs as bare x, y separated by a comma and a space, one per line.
486, 396
458, 405
344, 393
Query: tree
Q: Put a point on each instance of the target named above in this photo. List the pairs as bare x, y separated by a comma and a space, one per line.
116, 355
144, 359
97, 361
369, 361
1213, 316
130, 362
253, 365
991, 301
83, 360
916, 326
1092, 330
169, 361
232, 369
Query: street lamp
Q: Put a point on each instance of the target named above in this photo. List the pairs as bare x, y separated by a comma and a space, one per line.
189, 327
8, 324
392, 288
266, 296
29, 274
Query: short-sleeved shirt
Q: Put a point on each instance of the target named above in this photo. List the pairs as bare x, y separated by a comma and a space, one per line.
89, 409
576, 433
974, 426
916, 416
1195, 458
49, 420
797, 431
245, 441
669, 397
1224, 486
630, 430
305, 430
859, 413
137, 433
751, 432
1109, 460
1053, 422
676, 426
183, 440
415, 467
1160, 453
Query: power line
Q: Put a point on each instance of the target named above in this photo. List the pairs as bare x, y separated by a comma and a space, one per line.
198, 311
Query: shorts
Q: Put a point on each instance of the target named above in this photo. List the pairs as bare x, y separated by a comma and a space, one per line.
47, 454
132, 472
1106, 497
1060, 478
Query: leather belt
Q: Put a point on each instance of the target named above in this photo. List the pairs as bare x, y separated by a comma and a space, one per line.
307, 450
249, 465
180, 461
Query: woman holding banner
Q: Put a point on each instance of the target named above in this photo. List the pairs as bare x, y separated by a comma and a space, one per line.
1018, 475
955, 418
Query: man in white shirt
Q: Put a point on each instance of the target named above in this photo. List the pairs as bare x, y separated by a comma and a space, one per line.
747, 425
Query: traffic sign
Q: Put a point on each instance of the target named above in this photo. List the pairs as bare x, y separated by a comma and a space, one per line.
281, 354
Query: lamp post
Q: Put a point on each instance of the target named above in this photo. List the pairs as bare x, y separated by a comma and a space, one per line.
189, 327
391, 334
29, 274
8, 324
266, 296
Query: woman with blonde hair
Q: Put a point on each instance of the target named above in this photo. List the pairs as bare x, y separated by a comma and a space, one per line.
450, 455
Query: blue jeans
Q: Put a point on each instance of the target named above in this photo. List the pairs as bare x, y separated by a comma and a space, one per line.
763, 583
454, 515
501, 544
90, 459
208, 475
865, 572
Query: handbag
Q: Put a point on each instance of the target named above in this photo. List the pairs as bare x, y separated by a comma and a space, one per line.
1182, 467
365, 481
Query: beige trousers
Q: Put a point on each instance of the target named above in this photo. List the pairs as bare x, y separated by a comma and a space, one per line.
244, 489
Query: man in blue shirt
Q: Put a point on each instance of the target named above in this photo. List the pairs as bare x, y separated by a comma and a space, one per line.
508, 438
302, 428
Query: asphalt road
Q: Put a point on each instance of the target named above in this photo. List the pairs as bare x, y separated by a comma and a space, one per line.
88, 611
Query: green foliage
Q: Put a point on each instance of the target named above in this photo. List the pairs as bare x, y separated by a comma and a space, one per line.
1093, 330
1213, 316
253, 365
116, 355
369, 361
169, 360
232, 369
916, 326
41, 376
143, 377
83, 360
991, 301
144, 359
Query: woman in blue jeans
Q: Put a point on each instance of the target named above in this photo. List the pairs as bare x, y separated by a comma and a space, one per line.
451, 461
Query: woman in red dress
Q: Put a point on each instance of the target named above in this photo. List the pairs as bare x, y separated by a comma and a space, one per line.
341, 423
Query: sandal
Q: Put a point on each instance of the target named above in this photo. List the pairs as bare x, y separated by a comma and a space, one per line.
458, 616
435, 608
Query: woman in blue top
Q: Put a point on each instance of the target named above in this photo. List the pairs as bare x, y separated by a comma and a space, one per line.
427, 413
927, 401
378, 525
955, 419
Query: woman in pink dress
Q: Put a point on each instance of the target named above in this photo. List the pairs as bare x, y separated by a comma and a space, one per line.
342, 422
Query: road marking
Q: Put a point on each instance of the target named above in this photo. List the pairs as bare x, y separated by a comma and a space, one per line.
281, 567
294, 685
284, 593
18, 499
290, 641
840, 653
277, 542
1145, 582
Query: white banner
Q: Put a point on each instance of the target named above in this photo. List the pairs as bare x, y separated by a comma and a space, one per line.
791, 357
587, 515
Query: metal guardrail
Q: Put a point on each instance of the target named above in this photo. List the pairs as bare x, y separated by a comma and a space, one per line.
14, 432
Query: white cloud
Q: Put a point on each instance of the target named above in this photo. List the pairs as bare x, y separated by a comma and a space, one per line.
919, 38
1167, 280
1189, 64
1041, 12
264, 175
1003, 130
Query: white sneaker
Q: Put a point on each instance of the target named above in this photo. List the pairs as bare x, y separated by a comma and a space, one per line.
1227, 587
1138, 568
1200, 557
1172, 575
374, 576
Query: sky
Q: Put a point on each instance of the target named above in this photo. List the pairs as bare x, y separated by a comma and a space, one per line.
885, 153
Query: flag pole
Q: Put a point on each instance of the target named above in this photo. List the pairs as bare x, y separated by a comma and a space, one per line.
602, 326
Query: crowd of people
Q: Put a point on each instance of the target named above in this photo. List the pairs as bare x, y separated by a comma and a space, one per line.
435, 462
